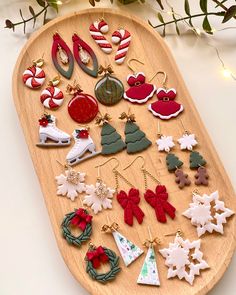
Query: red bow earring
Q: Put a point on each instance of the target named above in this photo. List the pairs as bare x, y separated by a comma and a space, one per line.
158, 199
139, 91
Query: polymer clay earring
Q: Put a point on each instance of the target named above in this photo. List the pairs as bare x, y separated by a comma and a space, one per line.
98, 196
96, 256
83, 53
166, 107
34, 77
111, 140
149, 272
97, 30
71, 183
128, 250
81, 219
108, 90
187, 142
84, 147
207, 213
123, 38
49, 134
135, 139
61, 51
52, 97
139, 91
158, 199
82, 107
184, 258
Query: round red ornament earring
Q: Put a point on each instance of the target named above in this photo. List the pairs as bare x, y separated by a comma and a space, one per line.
82, 108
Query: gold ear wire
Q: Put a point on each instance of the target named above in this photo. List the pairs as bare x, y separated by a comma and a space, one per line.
138, 157
113, 158
164, 80
133, 59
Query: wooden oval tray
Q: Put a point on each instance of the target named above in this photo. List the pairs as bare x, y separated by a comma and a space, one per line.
149, 47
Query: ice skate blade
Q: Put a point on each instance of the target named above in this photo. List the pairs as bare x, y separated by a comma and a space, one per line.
51, 144
79, 160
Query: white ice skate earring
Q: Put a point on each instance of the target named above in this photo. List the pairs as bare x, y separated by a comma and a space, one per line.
128, 250
149, 272
83, 144
71, 183
49, 134
184, 258
98, 196
201, 210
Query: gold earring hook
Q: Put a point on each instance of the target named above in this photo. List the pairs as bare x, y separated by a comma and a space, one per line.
185, 130
164, 80
130, 164
133, 59
113, 158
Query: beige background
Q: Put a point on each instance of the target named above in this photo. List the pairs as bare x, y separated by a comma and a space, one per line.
30, 261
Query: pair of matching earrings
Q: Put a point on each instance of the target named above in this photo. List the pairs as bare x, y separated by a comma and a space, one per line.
121, 36
187, 142
112, 143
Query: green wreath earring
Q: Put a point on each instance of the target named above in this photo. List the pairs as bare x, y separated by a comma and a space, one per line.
80, 219
98, 255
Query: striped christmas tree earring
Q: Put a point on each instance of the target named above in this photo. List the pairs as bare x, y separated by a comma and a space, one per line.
128, 250
188, 142
149, 272
62, 56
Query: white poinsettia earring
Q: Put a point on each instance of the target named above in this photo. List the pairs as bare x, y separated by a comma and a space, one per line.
201, 210
98, 196
71, 183
184, 258
164, 143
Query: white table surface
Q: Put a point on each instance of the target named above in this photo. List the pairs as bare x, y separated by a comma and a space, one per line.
30, 262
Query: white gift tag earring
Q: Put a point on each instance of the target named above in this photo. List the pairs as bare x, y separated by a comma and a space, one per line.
71, 183
184, 258
128, 250
149, 272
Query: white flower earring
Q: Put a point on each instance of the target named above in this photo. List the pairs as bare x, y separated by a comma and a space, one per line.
164, 143
187, 141
71, 183
98, 196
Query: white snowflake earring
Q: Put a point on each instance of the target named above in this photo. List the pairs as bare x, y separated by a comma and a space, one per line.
187, 142
149, 272
164, 143
201, 214
128, 250
98, 196
184, 258
71, 183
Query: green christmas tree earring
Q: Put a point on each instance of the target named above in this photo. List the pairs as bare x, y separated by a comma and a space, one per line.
187, 142
135, 139
111, 141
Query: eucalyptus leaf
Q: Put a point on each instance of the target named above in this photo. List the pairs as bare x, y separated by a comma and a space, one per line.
33, 14
203, 5
206, 25
53, 4
160, 4
92, 2
186, 7
41, 3
230, 13
160, 17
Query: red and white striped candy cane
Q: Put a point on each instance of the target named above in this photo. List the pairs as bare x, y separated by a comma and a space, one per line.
123, 37
97, 29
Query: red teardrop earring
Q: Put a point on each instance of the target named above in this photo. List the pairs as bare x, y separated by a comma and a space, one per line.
61, 49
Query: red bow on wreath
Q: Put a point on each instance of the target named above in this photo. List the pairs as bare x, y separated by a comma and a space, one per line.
81, 219
97, 257
159, 202
130, 205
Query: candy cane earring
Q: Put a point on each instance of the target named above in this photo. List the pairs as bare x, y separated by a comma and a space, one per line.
60, 49
52, 97
149, 272
123, 38
128, 250
34, 77
157, 199
139, 91
97, 29
166, 107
